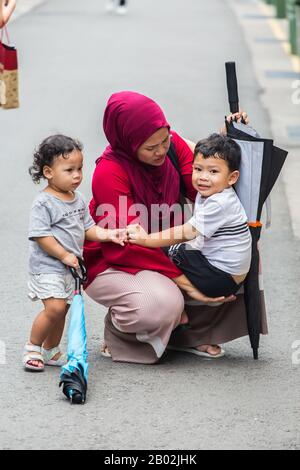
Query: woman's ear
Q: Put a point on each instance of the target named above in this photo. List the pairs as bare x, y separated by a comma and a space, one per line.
47, 172
233, 177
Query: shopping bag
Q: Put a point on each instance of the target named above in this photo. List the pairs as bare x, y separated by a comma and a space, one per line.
9, 86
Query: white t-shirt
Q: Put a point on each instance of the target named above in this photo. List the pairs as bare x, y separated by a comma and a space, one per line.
225, 238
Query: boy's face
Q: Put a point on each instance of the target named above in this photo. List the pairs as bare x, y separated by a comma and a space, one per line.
66, 173
211, 175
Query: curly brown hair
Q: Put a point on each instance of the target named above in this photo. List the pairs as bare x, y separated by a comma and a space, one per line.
51, 148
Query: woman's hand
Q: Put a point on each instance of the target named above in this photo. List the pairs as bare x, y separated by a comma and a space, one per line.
137, 235
237, 117
6, 9
197, 295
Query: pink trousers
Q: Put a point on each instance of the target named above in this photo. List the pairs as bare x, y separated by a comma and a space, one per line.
144, 309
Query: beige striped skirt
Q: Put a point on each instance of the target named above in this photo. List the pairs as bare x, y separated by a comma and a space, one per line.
144, 310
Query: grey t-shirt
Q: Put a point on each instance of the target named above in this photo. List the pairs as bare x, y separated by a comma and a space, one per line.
66, 221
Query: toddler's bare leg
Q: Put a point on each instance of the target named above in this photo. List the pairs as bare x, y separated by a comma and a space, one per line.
49, 322
54, 337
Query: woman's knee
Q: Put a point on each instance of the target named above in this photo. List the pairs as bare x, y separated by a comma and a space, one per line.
157, 307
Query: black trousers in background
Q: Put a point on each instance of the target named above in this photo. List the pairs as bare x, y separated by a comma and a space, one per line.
122, 3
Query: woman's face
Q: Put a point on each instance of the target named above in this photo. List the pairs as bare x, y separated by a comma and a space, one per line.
154, 150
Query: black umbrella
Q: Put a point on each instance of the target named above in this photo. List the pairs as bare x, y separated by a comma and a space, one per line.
260, 167
74, 374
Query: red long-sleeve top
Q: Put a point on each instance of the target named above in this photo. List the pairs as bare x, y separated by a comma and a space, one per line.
110, 181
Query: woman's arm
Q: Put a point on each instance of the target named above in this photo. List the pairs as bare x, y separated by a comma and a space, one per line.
6, 9
191, 144
184, 284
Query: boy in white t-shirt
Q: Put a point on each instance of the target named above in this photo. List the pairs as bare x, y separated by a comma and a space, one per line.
217, 254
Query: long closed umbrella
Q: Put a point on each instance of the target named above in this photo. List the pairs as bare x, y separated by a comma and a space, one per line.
260, 167
74, 374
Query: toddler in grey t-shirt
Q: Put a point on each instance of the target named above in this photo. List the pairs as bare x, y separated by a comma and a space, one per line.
59, 223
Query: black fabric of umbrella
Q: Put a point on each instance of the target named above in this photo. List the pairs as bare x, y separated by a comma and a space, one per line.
75, 372
260, 167
74, 385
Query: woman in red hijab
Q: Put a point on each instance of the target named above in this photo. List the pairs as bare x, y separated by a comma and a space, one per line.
133, 176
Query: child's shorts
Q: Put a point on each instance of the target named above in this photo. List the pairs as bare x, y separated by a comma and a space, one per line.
46, 286
208, 279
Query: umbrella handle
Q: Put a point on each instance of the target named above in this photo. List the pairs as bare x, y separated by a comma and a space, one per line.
79, 280
232, 87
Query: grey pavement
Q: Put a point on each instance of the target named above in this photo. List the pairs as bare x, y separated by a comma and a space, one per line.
72, 56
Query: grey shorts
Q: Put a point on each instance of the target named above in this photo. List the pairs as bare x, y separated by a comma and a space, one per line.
46, 286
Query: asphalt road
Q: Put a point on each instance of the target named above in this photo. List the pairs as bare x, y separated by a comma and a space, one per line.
72, 56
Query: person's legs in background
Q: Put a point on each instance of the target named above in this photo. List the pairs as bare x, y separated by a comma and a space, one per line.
120, 6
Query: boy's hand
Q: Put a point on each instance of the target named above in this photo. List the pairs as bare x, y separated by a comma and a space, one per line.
137, 235
118, 236
70, 260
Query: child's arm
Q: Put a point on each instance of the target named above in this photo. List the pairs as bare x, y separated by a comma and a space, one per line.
181, 233
184, 284
98, 234
51, 246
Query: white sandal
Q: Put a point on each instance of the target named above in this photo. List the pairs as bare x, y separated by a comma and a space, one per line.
49, 354
197, 352
104, 351
33, 353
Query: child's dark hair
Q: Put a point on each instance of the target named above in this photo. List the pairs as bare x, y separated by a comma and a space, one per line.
220, 146
50, 149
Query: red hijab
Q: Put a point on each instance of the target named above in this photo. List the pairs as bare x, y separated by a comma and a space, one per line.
129, 120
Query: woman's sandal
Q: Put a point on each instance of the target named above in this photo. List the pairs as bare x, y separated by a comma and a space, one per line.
49, 354
104, 351
196, 351
33, 353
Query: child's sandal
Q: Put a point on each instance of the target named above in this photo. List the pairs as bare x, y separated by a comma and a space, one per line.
33, 353
49, 354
